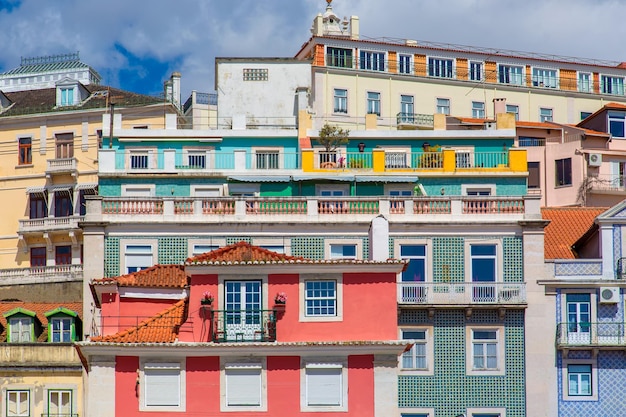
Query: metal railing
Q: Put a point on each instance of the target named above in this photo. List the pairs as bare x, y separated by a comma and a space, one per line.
590, 334
461, 293
239, 325
608, 183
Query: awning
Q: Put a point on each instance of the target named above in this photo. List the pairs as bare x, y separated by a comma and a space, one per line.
386, 178
260, 178
61, 188
36, 190
87, 186
324, 177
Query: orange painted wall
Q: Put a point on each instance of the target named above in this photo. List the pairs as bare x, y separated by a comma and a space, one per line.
568, 80
491, 72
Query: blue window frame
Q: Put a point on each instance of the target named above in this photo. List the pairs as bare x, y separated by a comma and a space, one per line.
404, 64
617, 119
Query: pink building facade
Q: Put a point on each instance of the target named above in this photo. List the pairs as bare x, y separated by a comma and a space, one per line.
332, 347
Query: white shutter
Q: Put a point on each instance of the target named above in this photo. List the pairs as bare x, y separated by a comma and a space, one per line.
162, 384
324, 385
243, 385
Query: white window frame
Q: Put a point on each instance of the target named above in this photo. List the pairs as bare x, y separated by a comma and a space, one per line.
522, 75
20, 321
265, 242
193, 243
65, 327
478, 109
472, 71
565, 379
469, 150
430, 350
303, 279
398, 150
345, 242
397, 245
124, 243
150, 153
340, 103
546, 114
465, 188
267, 150
499, 258
479, 411
437, 61
244, 189
510, 107
374, 64
373, 103
603, 84
593, 301
469, 350
234, 364
441, 108
343, 188
198, 190
400, 188
585, 82
401, 65
406, 412
616, 117
339, 364
128, 190
208, 152
5, 404
545, 77
158, 363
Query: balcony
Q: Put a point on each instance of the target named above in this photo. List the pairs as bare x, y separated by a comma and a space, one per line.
589, 335
310, 209
61, 166
607, 184
41, 274
415, 121
462, 294
39, 355
227, 326
49, 224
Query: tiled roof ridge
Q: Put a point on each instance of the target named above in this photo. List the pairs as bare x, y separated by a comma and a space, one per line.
133, 279
216, 254
153, 323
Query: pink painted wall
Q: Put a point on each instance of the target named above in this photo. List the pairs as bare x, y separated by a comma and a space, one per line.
198, 315
119, 314
283, 393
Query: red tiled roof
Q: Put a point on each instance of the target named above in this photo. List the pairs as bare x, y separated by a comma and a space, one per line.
39, 309
567, 225
162, 328
242, 252
161, 276
542, 125
472, 120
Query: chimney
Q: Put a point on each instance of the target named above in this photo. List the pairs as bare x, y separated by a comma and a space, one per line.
176, 88
354, 27
499, 106
379, 239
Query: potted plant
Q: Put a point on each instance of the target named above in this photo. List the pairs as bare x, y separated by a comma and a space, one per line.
279, 301
207, 298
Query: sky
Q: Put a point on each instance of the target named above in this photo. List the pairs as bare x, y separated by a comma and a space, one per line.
136, 45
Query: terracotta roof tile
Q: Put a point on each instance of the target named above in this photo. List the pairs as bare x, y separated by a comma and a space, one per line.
161, 276
473, 120
241, 252
567, 225
162, 328
542, 125
39, 309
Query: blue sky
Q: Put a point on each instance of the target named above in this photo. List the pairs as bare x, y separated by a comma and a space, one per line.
136, 45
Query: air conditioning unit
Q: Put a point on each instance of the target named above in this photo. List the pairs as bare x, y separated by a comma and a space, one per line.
609, 295
595, 159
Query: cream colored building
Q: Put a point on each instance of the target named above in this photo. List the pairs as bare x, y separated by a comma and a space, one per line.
354, 75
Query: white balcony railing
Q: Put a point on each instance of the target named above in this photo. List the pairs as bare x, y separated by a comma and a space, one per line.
47, 224
461, 293
41, 274
61, 165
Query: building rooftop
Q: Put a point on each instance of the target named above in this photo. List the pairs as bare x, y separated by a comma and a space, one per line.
157, 276
241, 252
40, 310
567, 225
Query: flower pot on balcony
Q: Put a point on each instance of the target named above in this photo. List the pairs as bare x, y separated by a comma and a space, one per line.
279, 307
206, 302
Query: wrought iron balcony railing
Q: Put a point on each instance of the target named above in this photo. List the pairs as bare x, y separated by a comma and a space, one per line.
461, 293
592, 334
253, 325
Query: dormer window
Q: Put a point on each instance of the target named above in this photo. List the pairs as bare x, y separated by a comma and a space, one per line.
61, 325
21, 325
67, 96
70, 93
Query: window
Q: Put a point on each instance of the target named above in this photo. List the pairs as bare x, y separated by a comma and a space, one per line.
37, 257
255, 74
163, 386
529, 141
579, 380
373, 103
18, 403
267, 159
416, 357
584, 115
612, 85
320, 298
196, 159
139, 159
545, 114
341, 251
534, 175
21, 329
397, 159
199, 249
38, 205
476, 71
374, 61
483, 262
63, 204
25, 151
64, 145
243, 385
485, 350
325, 386
578, 310
339, 57
243, 302
563, 172
405, 62
546, 78
464, 158
416, 269
443, 106
138, 257
67, 96
62, 329
63, 255
341, 101
59, 403
510, 108
438, 67
584, 82
617, 120
407, 111
477, 191
511, 74
478, 109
